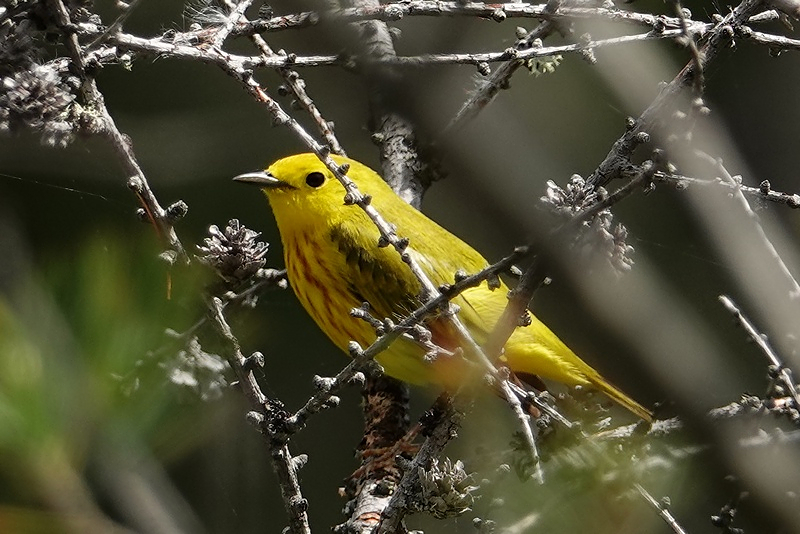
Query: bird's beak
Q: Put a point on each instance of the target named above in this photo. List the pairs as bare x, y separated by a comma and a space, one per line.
262, 179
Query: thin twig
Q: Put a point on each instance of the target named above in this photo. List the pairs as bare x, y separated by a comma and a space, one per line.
499, 79
177, 46
394, 11
698, 76
283, 463
762, 236
621, 151
137, 181
778, 43
297, 86
177, 49
763, 192
115, 26
425, 60
778, 366
662, 510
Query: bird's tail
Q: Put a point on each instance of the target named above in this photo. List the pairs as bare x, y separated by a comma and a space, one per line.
615, 394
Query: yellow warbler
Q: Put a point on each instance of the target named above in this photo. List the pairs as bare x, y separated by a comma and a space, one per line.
334, 264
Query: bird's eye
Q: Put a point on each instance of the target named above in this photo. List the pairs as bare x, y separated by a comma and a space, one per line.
315, 179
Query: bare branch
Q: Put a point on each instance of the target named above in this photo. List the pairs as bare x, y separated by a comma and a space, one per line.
236, 14
765, 240
698, 76
763, 192
394, 11
264, 417
294, 83
778, 43
161, 218
623, 148
433, 446
778, 367
662, 509
499, 79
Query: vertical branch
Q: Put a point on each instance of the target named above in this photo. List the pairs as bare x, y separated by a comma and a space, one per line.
265, 418
385, 415
443, 431
385, 405
403, 168
698, 76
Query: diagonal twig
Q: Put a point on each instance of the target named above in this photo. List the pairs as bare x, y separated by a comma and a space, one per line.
778, 366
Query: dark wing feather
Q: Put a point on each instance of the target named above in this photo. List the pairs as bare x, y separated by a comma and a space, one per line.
378, 275
373, 274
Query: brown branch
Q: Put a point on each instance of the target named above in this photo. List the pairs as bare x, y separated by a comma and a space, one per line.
433, 446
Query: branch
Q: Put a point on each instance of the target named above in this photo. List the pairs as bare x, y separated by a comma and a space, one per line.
294, 83
762, 236
499, 79
402, 165
778, 367
530, 53
747, 406
662, 510
764, 191
177, 45
621, 152
433, 446
498, 12
698, 77
778, 43
162, 219
264, 416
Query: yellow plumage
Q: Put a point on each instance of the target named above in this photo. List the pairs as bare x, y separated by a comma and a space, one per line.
334, 264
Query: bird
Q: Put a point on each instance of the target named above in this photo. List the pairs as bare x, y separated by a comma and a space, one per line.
335, 264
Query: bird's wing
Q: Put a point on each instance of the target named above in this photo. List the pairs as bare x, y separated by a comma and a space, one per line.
379, 276
373, 274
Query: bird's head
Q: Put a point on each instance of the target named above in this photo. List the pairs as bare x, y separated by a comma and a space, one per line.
301, 188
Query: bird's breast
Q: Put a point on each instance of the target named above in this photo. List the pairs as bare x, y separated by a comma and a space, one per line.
321, 288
